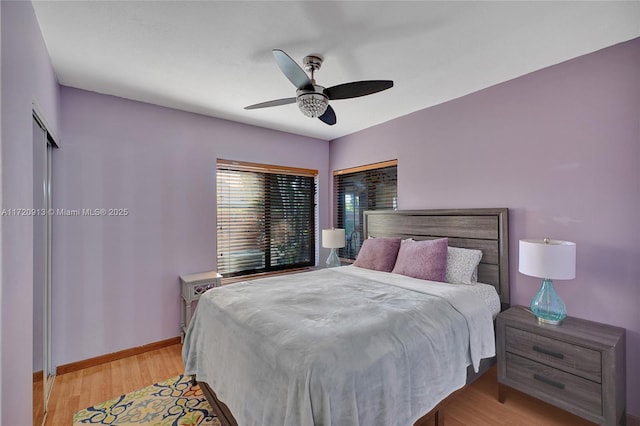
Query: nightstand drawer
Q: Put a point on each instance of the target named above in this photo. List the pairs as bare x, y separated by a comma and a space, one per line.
550, 383
573, 359
194, 285
194, 291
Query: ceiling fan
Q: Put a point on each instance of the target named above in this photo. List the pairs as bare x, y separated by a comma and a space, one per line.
312, 99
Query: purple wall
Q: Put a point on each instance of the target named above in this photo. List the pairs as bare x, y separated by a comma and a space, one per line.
561, 149
27, 77
116, 278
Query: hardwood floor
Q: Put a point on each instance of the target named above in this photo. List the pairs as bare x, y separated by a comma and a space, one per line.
477, 405
38, 399
81, 389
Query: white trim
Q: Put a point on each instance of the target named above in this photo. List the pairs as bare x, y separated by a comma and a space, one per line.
41, 117
1, 234
48, 370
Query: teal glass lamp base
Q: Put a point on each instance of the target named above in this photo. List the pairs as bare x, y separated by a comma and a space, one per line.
547, 305
333, 260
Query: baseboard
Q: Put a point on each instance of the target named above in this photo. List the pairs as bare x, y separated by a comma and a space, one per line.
92, 362
633, 420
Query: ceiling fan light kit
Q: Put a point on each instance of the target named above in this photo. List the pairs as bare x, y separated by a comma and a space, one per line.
312, 99
312, 104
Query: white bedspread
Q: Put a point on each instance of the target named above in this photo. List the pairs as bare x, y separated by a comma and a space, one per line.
343, 346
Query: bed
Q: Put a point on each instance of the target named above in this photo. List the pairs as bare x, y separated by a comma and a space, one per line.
349, 346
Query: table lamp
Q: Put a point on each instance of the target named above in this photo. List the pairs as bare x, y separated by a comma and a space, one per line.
333, 239
550, 260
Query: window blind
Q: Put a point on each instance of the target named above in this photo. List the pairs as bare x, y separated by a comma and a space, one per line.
265, 218
372, 187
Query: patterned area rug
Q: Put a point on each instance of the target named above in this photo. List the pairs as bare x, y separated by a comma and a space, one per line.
173, 402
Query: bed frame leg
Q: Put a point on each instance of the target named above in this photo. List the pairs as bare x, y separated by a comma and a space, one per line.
502, 393
434, 417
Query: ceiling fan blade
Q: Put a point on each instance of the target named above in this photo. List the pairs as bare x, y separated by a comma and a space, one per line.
329, 116
292, 70
357, 88
268, 104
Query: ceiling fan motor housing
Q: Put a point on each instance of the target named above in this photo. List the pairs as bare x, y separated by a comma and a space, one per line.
312, 62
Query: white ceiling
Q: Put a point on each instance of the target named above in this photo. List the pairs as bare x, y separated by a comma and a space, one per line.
214, 57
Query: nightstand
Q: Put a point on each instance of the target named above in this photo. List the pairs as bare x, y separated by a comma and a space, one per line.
578, 366
192, 287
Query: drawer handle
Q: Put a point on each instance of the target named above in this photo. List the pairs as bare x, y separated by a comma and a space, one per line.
549, 381
548, 352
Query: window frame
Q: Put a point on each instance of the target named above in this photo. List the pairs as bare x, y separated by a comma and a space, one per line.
266, 172
339, 203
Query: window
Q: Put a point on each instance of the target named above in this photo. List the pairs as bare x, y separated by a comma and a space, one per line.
265, 218
371, 187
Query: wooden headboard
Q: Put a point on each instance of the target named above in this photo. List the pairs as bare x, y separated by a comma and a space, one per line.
481, 229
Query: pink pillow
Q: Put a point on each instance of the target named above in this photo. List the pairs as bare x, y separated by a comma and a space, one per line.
378, 254
426, 260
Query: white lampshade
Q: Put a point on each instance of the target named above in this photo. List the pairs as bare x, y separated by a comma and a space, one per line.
333, 238
548, 259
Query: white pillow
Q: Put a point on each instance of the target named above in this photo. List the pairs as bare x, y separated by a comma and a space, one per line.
462, 265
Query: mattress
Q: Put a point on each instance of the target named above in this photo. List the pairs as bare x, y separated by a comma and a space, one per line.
486, 293
343, 346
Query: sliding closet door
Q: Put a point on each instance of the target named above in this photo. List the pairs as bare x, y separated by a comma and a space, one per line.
43, 373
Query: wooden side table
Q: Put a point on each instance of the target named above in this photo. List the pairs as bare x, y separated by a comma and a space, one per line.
578, 366
193, 286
